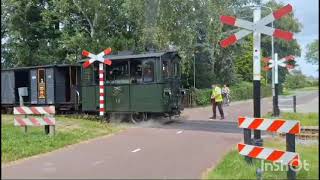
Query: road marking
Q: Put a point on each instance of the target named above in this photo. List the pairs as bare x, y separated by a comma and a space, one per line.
179, 132
96, 163
136, 150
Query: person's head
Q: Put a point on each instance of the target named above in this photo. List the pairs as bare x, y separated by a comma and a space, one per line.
215, 85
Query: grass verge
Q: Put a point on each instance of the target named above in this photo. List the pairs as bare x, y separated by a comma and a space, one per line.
306, 119
233, 165
15, 144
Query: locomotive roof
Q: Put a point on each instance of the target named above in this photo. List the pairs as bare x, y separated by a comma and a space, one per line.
137, 56
41, 66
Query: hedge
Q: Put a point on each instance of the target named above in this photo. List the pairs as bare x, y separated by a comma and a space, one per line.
241, 91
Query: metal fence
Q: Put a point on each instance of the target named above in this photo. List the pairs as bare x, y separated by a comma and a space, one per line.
189, 99
287, 103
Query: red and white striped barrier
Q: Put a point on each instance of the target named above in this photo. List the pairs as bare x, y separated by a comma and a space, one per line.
34, 121
101, 90
271, 125
259, 26
283, 157
34, 110
102, 61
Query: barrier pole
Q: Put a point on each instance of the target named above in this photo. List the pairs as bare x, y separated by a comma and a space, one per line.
291, 144
294, 104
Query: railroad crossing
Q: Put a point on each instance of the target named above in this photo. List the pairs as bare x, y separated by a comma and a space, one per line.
258, 26
150, 151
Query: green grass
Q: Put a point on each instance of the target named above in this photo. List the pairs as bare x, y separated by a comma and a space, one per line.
233, 166
15, 144
306, 119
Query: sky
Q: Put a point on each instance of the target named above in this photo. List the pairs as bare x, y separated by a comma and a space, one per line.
307, 12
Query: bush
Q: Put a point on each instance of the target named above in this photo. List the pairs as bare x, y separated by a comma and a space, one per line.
241, 91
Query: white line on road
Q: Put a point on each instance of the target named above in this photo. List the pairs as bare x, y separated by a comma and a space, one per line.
179, 132
97, 162
136, 150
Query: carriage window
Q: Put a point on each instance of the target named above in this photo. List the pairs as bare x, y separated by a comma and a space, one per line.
87, 75
118, 73
41, 84
136, 71
165, 69
148, 71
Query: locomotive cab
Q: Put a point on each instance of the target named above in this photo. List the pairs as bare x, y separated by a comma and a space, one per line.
139, 85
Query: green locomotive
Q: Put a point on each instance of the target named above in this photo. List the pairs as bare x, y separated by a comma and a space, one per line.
136, 84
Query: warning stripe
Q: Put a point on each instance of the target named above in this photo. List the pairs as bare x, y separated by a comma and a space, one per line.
34, 121
286, 35
271, 125
283, 157
101, 91
34, 110
107, 51
108, 62
282, 11
230, 20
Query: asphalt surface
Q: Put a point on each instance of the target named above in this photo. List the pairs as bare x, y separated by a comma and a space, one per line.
184, 149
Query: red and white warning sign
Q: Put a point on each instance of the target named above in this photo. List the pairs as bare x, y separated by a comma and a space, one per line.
277, 156
102, 61
259, 26
271, 125
282, 62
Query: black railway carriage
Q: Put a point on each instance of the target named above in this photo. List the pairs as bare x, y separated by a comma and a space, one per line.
138, 84
46, 85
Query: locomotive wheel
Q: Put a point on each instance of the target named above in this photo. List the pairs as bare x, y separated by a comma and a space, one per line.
107, 117
137, 117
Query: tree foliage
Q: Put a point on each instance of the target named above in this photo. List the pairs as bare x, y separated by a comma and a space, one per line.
312, 55
56, 31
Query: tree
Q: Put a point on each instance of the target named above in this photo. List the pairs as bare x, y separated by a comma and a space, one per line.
312, 55
295, 80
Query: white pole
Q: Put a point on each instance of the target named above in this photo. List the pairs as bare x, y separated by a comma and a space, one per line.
257, 75
276, 68
101, 89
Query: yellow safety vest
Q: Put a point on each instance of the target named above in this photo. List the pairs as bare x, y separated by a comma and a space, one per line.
216, 93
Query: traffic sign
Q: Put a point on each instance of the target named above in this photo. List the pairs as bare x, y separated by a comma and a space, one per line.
271, 63
98, 57
102, 61
259, 26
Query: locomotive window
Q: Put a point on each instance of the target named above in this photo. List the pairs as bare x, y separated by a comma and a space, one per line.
165, 69
175, 69
136, 71
118, 73
96, 73
148, 71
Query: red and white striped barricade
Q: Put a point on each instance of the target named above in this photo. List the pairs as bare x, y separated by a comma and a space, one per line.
290, 127
102, 61
48, 121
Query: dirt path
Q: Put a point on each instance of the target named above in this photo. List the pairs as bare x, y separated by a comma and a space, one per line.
182, 150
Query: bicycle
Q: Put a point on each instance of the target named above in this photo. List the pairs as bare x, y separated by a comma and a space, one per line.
226, 99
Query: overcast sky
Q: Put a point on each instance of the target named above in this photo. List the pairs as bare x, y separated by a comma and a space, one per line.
307, 11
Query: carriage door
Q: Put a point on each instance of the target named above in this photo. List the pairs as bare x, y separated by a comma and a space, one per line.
50, 85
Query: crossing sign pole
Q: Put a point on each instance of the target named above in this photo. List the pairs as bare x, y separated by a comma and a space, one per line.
102, 61
256, 75
274, 64
258, 26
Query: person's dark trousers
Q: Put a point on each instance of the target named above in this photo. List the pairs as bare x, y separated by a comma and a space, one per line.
214, 105
213, 102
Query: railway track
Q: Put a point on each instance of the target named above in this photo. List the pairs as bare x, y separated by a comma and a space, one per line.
307, 132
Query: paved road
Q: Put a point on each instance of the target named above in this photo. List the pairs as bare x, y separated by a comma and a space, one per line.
182, 150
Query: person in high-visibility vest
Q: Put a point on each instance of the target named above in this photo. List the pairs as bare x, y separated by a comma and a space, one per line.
216, 100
